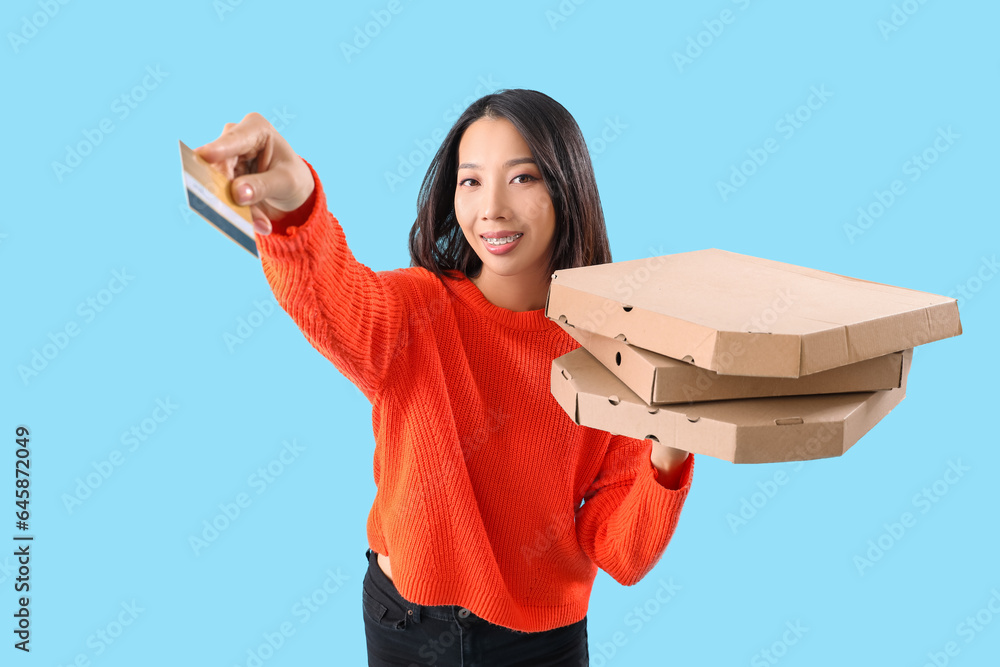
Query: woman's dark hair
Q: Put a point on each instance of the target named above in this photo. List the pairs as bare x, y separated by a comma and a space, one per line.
557, 145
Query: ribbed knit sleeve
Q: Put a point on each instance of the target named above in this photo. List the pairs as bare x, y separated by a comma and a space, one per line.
628, 517
344, 309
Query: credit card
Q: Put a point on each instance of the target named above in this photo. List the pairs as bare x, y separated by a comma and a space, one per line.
208, 195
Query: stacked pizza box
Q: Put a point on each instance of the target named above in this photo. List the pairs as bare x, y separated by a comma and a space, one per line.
737, 357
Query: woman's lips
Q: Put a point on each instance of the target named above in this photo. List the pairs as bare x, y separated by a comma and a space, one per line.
503, 247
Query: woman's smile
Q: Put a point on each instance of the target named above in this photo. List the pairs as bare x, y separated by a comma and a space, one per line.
500, 243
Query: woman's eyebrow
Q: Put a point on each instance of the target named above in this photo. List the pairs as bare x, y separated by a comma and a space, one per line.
506, 165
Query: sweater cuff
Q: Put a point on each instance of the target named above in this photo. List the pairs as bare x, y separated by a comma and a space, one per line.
303, 228
687, 471
301, 215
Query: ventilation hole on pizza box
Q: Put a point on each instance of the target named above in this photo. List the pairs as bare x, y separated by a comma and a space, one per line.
693, 420
626, 308
788, 421
566, 374
652, 437
688, 358
614, 400
618, 358
652, 410
562, 319
621, 337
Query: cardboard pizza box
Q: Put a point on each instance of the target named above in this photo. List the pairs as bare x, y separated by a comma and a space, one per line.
741, 315
746, 430
656, 378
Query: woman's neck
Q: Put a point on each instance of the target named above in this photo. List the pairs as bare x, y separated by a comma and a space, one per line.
518, 293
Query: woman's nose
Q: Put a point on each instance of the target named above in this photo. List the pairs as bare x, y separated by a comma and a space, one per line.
495, 203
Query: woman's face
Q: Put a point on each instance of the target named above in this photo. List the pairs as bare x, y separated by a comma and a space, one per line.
501, 202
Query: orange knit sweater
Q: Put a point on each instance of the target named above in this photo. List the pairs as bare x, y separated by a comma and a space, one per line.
480, 474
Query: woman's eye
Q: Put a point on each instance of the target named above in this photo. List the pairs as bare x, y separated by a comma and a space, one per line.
517, 179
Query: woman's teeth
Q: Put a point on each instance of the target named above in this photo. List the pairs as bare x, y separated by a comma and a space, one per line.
502, 241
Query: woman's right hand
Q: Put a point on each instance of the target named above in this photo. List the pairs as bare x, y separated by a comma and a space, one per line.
266, 173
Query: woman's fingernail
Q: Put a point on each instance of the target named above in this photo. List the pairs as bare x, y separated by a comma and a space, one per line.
262, 226
244, 193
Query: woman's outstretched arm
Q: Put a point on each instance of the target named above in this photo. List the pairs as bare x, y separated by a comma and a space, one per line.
350, 314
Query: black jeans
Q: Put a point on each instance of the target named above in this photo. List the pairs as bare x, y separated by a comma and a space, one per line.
403, 634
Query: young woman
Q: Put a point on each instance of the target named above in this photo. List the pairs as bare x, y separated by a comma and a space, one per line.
479, 549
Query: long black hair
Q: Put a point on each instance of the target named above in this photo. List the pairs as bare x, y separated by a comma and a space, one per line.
558, 147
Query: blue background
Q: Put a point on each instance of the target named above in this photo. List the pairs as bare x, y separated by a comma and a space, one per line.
682, 127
